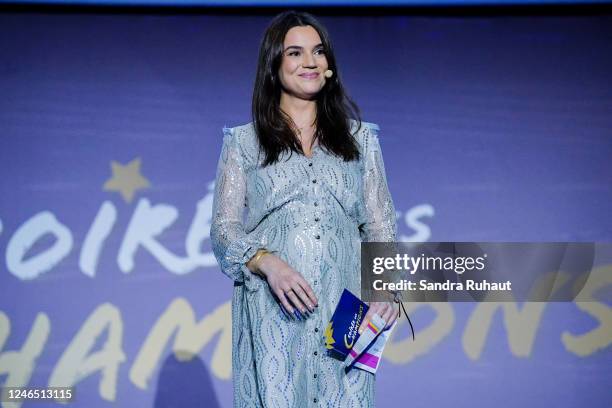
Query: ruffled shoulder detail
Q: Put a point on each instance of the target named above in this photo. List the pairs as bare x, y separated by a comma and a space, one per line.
245, 139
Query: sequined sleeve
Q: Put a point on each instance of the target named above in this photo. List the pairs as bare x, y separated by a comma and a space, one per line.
232, 247
379, 223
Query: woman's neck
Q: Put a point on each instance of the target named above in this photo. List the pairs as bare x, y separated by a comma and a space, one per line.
303, 112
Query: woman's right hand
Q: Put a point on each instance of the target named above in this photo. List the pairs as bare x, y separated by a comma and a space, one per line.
287, 284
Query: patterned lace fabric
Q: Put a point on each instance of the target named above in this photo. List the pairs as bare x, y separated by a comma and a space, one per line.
313, 212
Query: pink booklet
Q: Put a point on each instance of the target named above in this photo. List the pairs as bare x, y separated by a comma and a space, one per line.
368, 349
343, 341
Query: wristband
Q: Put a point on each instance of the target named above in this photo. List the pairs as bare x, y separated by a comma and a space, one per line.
258, 255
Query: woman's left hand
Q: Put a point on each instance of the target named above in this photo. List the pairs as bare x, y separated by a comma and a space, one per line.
384, 310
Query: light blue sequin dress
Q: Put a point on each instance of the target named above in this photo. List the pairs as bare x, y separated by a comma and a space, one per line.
313, 212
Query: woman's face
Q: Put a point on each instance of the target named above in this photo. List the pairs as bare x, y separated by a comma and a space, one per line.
303, 64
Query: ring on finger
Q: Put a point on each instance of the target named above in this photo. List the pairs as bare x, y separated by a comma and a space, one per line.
294, 298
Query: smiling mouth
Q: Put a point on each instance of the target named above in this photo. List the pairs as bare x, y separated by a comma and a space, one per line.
310, 76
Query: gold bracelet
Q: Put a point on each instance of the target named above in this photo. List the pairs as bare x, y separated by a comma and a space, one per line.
258, 255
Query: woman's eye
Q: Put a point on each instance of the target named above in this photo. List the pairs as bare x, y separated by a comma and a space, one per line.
293, 53
320, 51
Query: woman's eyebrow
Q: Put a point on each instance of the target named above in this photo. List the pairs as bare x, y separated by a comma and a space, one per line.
297, 47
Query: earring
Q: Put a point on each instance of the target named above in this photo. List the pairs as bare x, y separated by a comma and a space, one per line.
328, 73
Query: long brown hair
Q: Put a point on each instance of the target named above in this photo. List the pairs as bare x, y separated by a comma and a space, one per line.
334, 107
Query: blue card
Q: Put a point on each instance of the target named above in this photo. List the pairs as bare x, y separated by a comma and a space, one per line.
342, 330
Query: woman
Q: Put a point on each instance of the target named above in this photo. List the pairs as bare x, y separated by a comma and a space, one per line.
314, 183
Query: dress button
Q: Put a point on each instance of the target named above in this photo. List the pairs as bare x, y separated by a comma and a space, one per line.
314, 180
316, 353
317, 219
316, 282
314, 400
315, 376
316, 330
316, 203
317, 236
310, 164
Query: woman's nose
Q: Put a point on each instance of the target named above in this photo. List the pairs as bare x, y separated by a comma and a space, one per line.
309, 60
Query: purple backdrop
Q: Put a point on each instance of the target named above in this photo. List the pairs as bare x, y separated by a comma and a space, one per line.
492, 128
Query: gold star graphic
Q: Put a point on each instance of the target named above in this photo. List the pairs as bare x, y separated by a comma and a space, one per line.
329, 336
126, 179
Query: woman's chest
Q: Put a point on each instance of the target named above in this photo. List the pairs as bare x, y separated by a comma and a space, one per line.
298, 177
